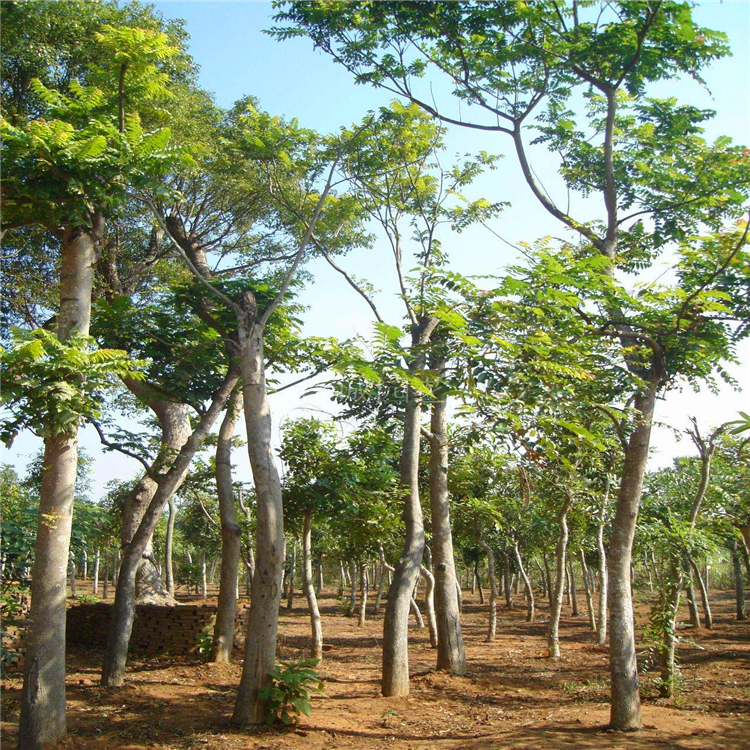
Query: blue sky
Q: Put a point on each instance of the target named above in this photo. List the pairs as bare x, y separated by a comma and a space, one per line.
292, 79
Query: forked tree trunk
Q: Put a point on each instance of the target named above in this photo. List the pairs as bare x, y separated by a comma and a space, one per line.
553, 629
708, 620
526, 584
169, 548
492, 616
123, 611
230, 536
263, 619
316, 640
625, 703
42, 719
364, 588
430, 605
588, 591
739, 585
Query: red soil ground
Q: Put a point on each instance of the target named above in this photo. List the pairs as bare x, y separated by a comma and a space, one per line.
514, 697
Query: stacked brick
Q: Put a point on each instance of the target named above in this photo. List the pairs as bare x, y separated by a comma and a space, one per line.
174, 630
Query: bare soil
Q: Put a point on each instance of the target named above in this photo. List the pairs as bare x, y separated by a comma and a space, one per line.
513, 698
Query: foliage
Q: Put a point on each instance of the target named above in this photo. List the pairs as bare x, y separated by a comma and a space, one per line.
290, 693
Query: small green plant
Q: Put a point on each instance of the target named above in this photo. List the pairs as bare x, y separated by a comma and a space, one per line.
288, 696
87, 599
205, 643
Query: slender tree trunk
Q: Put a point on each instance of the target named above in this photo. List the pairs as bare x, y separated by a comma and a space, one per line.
625, 705
695, 620
230, 536
492, 619
316, 640
671, 589
250, 559
352, 589
478, 582
542, 579
342, 583
85, 565
451, 654
95, 576
550, 587
573, 595
263, 619
507, 580
739, 584
319, 577
105, 583
169, 547
395, 677
601, 625
364, 587
588, 591
414, 607
553, 632
42, 719
123, 611
292, 573
708, 620
526, 584
72, 572
430, 605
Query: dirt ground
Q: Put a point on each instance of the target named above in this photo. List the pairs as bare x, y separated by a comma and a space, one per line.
513, 698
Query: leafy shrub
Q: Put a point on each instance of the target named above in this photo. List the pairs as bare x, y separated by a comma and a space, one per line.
205, 643
87, 599
288, 696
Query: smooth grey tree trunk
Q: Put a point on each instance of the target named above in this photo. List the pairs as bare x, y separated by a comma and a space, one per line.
230, 535
526, 584
85, 565
316, 640
507, 580
492, 615
123, 610
95, 587
708, 620
364, 588
42, 720
429, 597
553, 628
204, 582
588, 591
263, 618
451, 653
739, 584
573, 593
352, 589
169, 548
292, 574
625, 700
395, 676
601, 625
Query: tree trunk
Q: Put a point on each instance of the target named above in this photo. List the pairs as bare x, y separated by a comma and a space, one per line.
478, 582
319, 577
342, 583
292, 573
542, 579
526, 585
395, 677
550, 587
263, 619
492, 619
708, 620
588, 591
414, 607
105, 584
601, 625
671, 589
739, 584
42, 720
72, 569
573, 595
85, 565
364, 587
95, 576
169, 548
506, 580
553, 632
123, 610
430, 605
250, 559
352, 589
230, 536
695, 620
204, 582
316, 641
625, 707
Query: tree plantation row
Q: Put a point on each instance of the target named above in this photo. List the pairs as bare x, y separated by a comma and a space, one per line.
487, 429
